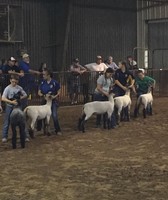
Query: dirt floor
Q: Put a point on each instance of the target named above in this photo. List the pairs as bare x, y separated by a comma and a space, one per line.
126, 163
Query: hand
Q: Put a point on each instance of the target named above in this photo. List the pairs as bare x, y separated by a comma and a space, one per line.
124, 88
106, 94
21, 74
14, 102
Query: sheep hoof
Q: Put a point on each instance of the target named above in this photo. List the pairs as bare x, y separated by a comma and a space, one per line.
31, 134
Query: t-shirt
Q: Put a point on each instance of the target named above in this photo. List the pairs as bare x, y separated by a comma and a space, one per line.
112, 66
51, 87
95, 67
125, 78
143, 84
10, 91
105, 83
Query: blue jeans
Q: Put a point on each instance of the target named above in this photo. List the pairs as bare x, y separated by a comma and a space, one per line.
5, 128
54, 108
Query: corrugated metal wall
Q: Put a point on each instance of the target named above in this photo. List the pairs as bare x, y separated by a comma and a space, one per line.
57, 31
147, 12
101, 28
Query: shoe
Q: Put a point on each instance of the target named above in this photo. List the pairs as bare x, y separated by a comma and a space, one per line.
58, 133
4, 140
27, 140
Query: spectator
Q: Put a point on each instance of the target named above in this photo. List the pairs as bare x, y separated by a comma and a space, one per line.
11, 68
131, 63
8, 97
104, 85
109, 62
123, 79
50, 86
96, 69
75, 71
28, 80
43, 67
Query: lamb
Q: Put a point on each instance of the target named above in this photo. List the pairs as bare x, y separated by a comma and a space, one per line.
123, 103
34, 113
17, 118
97, 107
146, 100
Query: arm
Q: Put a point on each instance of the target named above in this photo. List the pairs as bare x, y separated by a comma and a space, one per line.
120, 85
99, 88
34, 72
21, 73
0, 104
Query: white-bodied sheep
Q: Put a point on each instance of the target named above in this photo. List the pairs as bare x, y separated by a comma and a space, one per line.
34, 113
123, 103
146, 100
97, 107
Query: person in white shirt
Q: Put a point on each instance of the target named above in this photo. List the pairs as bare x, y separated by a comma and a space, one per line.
109, 62
96, 69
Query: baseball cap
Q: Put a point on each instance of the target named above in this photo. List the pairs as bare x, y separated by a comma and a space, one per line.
141, 70
99, 57
76, 60
25, 55
11, 59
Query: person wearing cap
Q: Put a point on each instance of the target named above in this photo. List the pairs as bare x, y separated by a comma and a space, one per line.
10, 69
104, 86
74, 82
109, 62
28, 80
95, 70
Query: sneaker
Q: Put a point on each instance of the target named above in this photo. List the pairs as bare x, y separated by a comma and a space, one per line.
58, 133
4, 140
27, 140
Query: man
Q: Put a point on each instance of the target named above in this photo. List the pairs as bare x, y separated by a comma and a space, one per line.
96, 69
109, 62
74, 82
51, 86
27, 81
8, 97
10, 69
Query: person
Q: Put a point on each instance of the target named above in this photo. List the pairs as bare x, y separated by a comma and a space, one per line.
96, 69
8, 97
43, 66
104, 86
109, 62
27, 82
50, 86
74, 82
11, 68
143, 84
132, 64
123, 79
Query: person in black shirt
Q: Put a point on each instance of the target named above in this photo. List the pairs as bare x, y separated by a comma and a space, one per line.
123, 79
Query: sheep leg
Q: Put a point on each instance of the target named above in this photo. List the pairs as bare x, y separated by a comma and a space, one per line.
46, 126
14, 133
80, 122
104, 120
22, 134
144, 113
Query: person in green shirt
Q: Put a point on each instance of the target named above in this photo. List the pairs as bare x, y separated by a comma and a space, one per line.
143, 84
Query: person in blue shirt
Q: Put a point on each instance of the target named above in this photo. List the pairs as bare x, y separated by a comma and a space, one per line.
27, 82
50, 86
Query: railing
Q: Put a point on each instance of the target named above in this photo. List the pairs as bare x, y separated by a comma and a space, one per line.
86, 85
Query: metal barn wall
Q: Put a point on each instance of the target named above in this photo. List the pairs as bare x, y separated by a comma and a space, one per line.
35, 32
148, 11
99, 27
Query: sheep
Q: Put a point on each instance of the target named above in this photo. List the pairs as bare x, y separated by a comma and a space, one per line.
123, 102
97, 107
34, 113
17, 118
146, 100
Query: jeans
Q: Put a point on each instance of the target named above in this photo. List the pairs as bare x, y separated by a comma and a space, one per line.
5, 129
